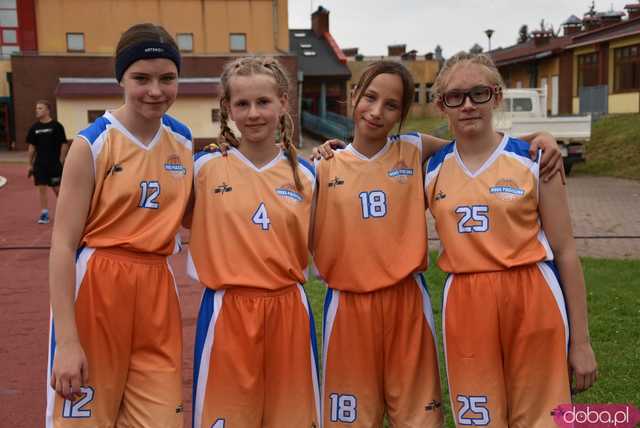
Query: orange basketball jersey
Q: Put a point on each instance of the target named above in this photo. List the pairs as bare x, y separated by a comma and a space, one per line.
370, 227
250, 225
140, 191
487, 220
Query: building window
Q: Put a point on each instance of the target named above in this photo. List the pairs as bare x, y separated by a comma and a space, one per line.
75, 42
429, 92
8, 17
92, 115
299, 35
305, 45
588, 70
626, 69
309, 53
215, 115
8, 28
238, 42
9, 37
416, 93
185, 42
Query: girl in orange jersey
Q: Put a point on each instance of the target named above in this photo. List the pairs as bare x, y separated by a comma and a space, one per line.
115, 353
370, 246
509, 341
255, 353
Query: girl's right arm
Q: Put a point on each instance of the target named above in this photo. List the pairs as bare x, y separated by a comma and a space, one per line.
70, 369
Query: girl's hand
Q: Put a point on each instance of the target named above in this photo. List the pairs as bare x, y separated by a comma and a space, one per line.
582, 366
325, 150
551, 162
222, 146
70, 370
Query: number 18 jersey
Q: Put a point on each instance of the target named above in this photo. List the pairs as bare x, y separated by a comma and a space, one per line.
370, 226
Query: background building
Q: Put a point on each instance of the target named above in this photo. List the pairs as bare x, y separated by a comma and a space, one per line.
71, 61
423, 68
593, 67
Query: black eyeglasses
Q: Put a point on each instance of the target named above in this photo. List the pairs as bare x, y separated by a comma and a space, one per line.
477, 95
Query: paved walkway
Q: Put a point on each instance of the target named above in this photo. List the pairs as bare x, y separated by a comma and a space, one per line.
605, 216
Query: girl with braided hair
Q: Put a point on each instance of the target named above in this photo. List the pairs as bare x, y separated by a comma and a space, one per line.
255, 352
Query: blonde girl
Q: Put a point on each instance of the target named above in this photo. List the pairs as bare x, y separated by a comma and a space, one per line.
514, 310
255, 355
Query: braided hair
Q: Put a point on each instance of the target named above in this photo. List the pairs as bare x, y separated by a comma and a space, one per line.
248, 66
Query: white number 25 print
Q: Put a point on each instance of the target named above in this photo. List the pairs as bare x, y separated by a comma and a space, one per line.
473, 218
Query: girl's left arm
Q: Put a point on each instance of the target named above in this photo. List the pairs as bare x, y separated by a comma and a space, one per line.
556, 223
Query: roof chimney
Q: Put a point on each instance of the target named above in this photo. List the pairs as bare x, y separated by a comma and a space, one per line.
396, 50
320, 21
610, 17
572, 25
541, 37
633, 10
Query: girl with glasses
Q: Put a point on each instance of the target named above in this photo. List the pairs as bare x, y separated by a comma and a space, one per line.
514, 306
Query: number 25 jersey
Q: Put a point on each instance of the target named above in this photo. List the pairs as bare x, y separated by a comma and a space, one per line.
370, 226
487, 220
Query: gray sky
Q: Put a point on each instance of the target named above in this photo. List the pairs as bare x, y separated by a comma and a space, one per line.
422, 24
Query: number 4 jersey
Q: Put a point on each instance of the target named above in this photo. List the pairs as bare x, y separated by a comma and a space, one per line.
250, 225
370, 226
140, 191
487, 220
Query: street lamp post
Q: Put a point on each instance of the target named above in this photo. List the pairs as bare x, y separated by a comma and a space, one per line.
489, 33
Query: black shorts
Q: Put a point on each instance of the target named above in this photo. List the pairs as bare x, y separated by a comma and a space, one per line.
47, 174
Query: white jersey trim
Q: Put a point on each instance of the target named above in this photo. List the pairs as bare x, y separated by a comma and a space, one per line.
120, 127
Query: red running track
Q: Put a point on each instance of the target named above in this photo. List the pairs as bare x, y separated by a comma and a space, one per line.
24, 304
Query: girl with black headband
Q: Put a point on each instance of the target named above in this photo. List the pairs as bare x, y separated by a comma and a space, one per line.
115, 353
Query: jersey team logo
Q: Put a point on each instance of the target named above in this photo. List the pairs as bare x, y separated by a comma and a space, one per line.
506, 189
400, 172
222, 189
335, 182
289, 191
174, 166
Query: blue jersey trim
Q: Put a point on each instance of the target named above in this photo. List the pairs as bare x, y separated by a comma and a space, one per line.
177, 126
398, 137
305, 163
207, 308
519, 147
93, 131
436, 160
312, 331
200, 154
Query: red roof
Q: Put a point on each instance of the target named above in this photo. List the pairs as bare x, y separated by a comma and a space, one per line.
70, 87
528, 51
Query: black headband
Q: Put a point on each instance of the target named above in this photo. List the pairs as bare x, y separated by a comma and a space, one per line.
145, 50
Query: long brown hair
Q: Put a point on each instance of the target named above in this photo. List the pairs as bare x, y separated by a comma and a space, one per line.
249, 66
387, 67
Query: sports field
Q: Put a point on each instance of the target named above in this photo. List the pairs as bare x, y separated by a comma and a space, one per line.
613, 290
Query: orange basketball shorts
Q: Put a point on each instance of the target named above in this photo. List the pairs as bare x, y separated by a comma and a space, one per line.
255, 360
506, 335
129, 323
380, 354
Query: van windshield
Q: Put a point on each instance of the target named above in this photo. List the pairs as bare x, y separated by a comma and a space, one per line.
521, 104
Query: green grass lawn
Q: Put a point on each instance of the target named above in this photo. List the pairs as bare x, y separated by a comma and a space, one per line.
614, 315
614, 149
